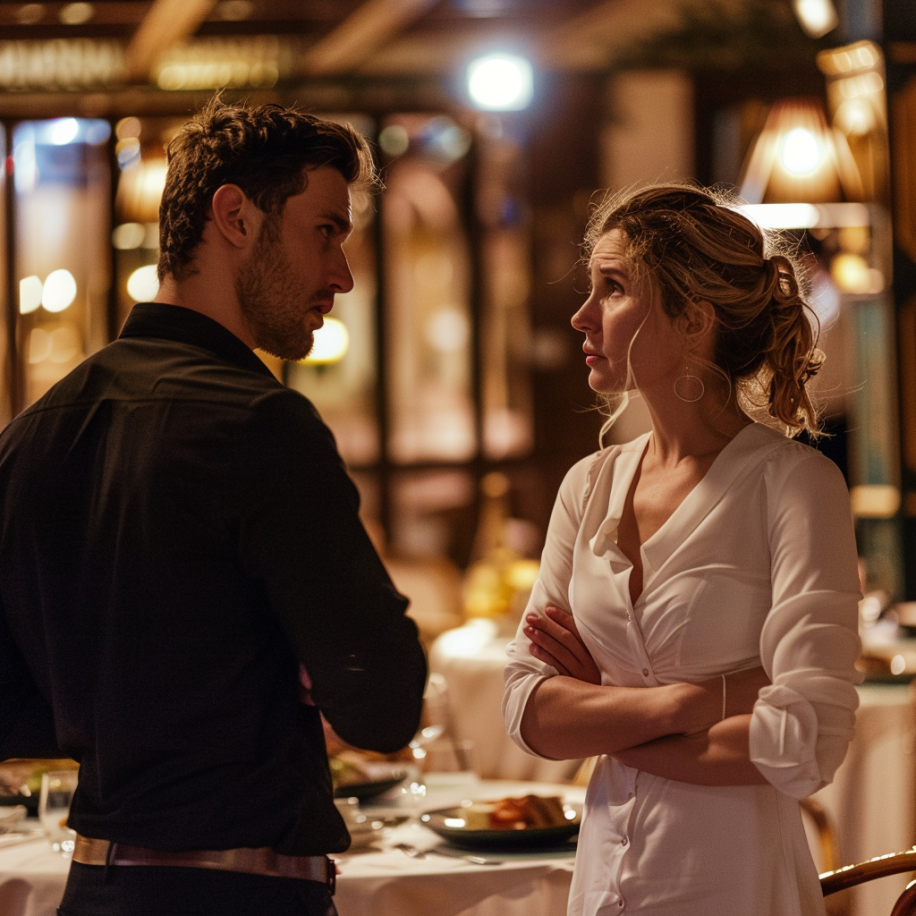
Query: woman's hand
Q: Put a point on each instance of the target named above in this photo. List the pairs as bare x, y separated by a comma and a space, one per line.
556, 641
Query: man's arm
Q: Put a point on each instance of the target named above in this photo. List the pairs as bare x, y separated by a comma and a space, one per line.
344, 618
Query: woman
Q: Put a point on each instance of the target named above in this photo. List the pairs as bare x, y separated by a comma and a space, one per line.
709, 568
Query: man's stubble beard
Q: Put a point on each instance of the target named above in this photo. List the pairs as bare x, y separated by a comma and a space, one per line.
268, 297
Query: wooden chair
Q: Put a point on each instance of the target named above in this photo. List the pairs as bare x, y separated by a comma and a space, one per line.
880, 867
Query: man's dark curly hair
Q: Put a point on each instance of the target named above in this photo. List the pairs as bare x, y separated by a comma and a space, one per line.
266, 151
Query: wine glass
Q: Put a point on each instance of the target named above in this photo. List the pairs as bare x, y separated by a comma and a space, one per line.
433, 725
57, 788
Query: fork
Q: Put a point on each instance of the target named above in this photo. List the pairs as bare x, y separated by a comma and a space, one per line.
415, 853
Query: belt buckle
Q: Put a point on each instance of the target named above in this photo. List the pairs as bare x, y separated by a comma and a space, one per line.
332, 876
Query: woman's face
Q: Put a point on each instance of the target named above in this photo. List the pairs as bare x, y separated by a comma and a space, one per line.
625, 325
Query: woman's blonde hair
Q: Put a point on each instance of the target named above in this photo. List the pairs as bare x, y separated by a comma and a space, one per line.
692, 245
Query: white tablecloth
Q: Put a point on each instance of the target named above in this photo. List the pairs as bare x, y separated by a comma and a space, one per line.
377, 880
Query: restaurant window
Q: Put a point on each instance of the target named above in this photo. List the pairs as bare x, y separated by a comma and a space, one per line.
60, 215
139, 147
7, 313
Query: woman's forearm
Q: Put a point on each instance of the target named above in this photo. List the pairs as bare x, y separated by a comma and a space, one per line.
717, 757
566, 718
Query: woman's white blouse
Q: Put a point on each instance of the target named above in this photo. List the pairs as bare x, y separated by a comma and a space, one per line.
757, 566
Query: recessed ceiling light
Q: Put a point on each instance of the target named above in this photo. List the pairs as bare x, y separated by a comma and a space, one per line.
76, 13
30, 13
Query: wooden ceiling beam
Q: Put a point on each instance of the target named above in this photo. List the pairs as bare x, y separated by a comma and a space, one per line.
370, 27
166, 23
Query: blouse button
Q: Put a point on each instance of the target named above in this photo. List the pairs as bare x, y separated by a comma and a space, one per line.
645, 672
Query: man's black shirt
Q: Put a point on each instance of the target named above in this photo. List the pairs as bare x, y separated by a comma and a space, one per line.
177, 533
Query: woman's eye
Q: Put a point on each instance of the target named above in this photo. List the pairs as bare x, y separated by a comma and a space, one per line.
611, 286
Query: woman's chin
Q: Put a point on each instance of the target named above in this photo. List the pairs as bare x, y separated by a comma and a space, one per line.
602, 385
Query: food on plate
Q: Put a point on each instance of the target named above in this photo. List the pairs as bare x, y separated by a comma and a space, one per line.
352, 767
525, 813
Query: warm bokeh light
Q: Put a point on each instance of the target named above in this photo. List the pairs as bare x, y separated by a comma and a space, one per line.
59, 291
143, 284
29, 294
448, 330
128, 236
331, 343
500, 82
816, 17
801, 153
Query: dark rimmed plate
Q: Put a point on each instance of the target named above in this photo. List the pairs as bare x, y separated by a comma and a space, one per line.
450, 824
367, 790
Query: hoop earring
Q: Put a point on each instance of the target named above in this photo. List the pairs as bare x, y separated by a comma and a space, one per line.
690, 381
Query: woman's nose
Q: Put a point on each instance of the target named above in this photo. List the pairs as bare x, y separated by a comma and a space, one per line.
582, 319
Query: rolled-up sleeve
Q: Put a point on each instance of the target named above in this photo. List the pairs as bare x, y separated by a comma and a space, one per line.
524, 672
802, 723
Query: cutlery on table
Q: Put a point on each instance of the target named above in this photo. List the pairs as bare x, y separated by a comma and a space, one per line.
415, 853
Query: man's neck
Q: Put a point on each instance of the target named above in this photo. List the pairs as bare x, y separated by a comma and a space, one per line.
200, 295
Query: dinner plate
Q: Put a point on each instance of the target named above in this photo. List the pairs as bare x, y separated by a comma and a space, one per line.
366, 790
451, 825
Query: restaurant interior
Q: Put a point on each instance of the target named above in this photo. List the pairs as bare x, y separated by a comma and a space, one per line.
450, 376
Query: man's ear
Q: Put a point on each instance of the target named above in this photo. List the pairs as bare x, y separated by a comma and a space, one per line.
234, 216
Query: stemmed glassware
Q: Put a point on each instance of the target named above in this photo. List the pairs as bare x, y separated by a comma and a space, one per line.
433, 725
57, 788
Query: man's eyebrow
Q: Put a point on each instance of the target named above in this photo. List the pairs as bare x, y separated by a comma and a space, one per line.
343, 223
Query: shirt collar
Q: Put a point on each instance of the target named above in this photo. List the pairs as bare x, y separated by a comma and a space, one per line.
173, 322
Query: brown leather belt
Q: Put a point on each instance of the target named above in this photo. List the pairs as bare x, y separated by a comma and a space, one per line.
262, 861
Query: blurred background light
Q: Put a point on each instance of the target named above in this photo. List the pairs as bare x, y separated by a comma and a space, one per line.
816, 17
29, 294
128, 236
59, 290
331, 343
500, 82
143, 284
800, 154
64, 131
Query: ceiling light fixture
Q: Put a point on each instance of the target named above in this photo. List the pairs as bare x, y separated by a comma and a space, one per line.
500, 82
816, 17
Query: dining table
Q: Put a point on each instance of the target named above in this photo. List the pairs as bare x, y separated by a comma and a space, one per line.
378, 877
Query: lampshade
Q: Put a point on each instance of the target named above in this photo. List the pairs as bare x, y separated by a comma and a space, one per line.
800, 158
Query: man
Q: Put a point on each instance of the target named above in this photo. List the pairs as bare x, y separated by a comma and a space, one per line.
178, 537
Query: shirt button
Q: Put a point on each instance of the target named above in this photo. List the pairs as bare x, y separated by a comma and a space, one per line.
620, 903
645, 672
624, 841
